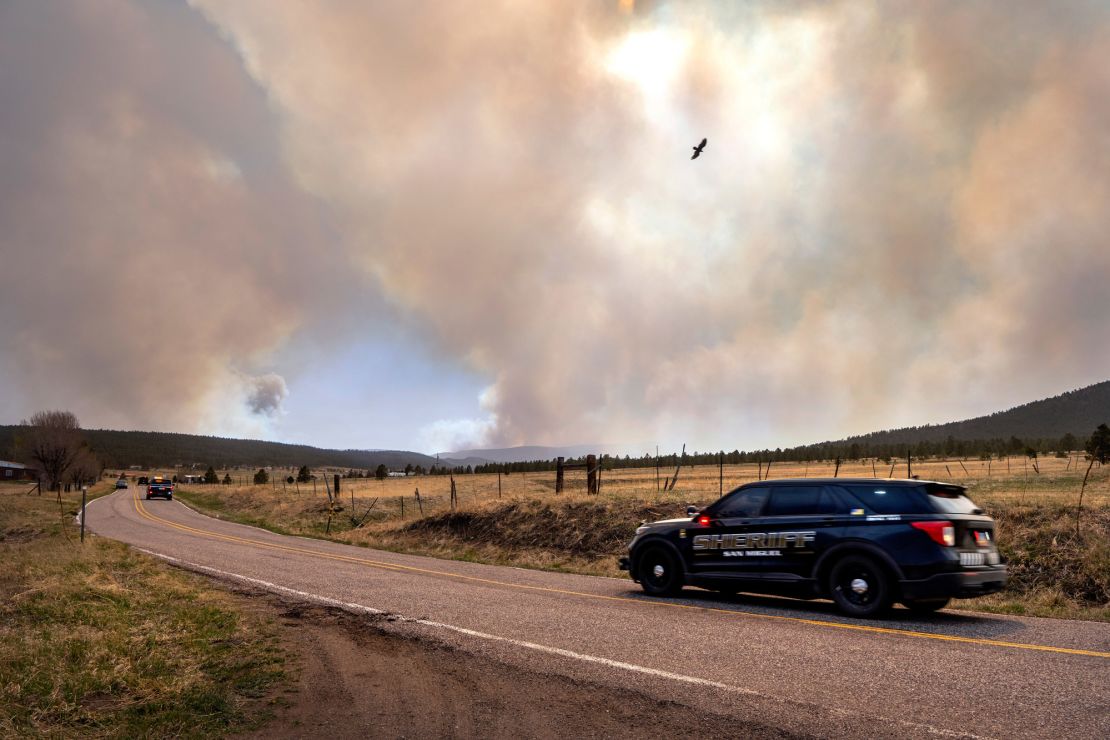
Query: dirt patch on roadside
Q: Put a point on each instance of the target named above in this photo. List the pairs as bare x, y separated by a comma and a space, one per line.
358, 682
18, 535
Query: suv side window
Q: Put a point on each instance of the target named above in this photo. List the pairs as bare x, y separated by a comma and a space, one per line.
881, 499
799, 501
747, 502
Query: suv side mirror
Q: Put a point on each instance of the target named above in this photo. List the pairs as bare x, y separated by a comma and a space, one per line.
692, 511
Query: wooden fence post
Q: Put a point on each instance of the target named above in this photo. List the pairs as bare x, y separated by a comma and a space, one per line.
721, 473
499, 485
591, 474
558, 475
1078, 510
337, 486
836, 471
419, 503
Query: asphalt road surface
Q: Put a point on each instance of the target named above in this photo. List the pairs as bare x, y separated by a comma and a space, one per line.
796, 666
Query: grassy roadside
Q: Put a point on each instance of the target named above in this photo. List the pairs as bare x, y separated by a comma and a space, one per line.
1053, 572
99, 641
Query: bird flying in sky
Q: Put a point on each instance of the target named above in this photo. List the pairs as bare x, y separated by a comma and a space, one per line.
698, 149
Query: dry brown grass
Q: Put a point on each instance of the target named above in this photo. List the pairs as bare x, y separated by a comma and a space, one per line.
99, 641
1057, 484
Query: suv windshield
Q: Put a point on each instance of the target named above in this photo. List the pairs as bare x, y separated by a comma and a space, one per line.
742, 503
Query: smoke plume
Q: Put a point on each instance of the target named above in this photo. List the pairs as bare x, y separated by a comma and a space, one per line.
899, 218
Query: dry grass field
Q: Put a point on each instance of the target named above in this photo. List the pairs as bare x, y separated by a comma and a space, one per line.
1011, 481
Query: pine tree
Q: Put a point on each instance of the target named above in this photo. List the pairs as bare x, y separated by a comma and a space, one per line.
1098, 446
210, 475
261, 477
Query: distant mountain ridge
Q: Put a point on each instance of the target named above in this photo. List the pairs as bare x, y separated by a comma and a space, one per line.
1075, 412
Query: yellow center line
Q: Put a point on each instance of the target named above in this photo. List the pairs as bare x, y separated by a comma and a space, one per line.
141, 510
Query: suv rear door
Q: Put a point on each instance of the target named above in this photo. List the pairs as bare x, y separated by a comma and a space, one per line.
800, 522
974, 529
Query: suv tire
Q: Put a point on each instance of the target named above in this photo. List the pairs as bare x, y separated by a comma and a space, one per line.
925, 606
659, 571
860, 587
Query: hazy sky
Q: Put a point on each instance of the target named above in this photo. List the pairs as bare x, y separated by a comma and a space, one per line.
453, 224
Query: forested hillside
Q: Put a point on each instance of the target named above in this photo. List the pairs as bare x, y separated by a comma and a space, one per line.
1075, 412
117, 449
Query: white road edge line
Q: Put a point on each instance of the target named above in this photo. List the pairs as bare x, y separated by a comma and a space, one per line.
77, 516
644, 670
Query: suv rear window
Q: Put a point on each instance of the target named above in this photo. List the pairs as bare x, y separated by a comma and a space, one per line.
951, 500
881, 499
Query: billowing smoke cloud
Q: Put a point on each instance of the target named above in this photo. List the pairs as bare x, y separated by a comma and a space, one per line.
899, 217
266, 394
154, 250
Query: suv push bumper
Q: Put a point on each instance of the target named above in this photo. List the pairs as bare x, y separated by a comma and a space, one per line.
961, 584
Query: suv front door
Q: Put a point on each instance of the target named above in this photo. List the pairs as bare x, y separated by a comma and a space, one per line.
720, 546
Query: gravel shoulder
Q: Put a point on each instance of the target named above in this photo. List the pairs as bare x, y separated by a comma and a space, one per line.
358, 681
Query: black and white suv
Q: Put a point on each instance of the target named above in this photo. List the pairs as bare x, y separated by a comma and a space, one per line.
864, 543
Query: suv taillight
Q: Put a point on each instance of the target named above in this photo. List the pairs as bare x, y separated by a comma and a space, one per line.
942, 533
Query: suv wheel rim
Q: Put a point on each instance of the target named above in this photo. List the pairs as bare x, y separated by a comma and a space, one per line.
856, 586
658, 571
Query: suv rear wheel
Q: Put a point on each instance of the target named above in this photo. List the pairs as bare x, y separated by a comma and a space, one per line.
659, 572
860, 587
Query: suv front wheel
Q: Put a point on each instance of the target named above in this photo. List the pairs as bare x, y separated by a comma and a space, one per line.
659, 572
860, 587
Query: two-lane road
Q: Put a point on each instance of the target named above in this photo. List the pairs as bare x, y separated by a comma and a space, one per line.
793, 665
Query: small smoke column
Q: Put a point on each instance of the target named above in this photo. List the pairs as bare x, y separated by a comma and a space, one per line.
267, 392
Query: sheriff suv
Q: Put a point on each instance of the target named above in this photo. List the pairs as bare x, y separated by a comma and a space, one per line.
159, 486
864, 543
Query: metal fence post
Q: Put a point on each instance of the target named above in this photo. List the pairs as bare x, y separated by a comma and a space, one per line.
84, 499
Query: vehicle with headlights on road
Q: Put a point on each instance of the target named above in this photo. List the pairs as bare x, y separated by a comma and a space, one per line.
159, 487
864, 543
